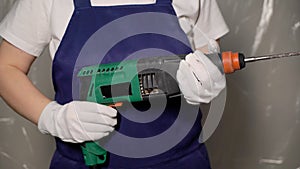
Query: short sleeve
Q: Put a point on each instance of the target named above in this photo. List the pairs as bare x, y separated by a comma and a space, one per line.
26, 26
200, 19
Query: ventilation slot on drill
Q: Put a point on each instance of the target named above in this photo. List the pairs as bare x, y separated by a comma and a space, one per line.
148, 84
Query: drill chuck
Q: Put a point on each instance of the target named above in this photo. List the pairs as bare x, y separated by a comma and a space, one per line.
236, 61
232, 61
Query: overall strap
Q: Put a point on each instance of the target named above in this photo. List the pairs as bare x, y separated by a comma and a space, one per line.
82, 3
87, 3
163, 1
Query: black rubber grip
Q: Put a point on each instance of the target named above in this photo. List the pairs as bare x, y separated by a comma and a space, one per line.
242, 60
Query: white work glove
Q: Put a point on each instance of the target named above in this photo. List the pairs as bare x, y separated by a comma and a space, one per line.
199, 79
77, 121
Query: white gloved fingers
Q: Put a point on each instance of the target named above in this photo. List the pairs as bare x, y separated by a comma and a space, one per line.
199, 70
187, 83
109, 111
87, 132
97, 128
217, 78
199, 79
211, 67
88, 112
98, 135
74, 121
95, 113
187, 72
94, 107
98, 118
206, 92
95, 132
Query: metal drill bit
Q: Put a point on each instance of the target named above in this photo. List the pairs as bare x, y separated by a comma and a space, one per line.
273, 56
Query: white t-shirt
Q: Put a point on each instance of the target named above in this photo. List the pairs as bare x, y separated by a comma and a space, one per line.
33, 24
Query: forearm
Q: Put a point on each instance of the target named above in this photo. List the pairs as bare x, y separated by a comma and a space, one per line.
19, 93
15, 87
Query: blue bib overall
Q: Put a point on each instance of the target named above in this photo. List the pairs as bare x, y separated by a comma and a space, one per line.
97, 35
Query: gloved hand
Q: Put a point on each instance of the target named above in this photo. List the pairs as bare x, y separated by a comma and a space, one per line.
199, 79
77, 121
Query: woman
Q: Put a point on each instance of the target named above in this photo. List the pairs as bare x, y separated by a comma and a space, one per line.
68, 27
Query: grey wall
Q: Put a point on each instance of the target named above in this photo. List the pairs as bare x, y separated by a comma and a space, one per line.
260, 126
21, 144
